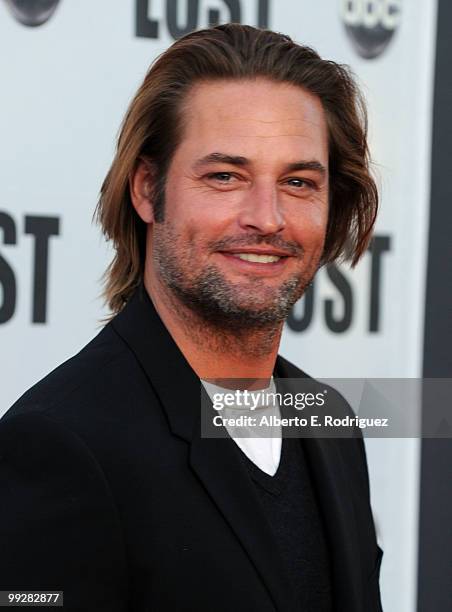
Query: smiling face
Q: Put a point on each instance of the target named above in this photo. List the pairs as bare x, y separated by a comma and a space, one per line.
246, 203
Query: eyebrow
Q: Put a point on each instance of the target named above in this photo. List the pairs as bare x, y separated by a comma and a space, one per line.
238, 160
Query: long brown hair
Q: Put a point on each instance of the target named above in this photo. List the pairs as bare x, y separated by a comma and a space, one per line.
152, 128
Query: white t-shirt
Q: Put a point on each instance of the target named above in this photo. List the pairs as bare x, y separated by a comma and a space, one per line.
262, 446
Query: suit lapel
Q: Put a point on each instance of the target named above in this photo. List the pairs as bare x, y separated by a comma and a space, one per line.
332, 486
216, 462
218, 465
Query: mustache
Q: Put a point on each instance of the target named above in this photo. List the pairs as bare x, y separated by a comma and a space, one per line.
252, 240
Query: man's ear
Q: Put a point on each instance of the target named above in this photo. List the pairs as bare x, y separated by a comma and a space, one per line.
141, 185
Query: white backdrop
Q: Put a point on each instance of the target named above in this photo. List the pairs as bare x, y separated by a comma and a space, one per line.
64, 88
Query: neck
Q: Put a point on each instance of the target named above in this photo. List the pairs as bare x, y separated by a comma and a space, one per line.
214, 352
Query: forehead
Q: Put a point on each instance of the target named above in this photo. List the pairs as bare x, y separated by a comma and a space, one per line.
259, 117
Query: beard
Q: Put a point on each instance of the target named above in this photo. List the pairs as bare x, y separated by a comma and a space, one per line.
247, 305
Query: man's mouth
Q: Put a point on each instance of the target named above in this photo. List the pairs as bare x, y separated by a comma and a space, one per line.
254, 257
265, 263
269, 256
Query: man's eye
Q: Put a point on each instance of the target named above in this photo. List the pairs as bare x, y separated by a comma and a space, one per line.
223, 177
299, 183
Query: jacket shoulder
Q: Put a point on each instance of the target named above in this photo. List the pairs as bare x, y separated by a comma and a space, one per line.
80, 377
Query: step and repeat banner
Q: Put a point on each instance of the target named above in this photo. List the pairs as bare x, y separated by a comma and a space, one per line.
67, 72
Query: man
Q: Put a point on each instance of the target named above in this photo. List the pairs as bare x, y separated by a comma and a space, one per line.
242, 166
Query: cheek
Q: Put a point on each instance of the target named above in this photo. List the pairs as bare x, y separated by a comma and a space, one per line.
310, 225
200, 223
318, 217
193, 208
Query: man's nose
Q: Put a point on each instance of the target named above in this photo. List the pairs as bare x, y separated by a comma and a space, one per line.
261, 210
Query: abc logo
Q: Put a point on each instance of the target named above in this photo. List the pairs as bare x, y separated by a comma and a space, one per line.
370, 24
32, 12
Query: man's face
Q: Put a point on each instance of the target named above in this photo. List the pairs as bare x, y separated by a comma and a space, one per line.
246, 202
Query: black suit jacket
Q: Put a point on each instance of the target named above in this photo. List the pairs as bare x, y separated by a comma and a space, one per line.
109, 493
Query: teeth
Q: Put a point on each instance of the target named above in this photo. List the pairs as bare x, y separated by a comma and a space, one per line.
257, 258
